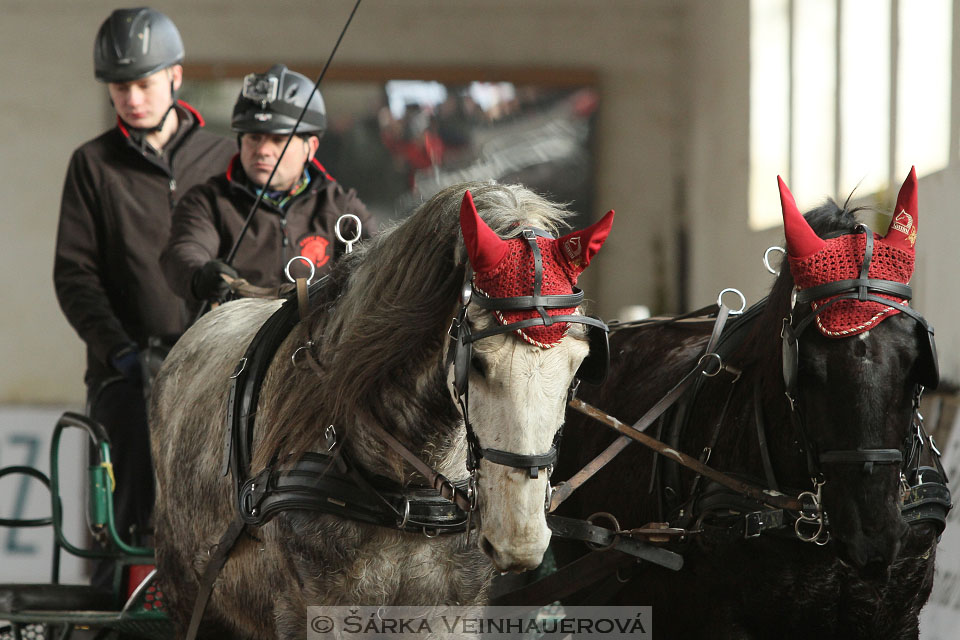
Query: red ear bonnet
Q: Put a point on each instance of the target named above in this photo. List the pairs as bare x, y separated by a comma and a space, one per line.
802, 241
814, 261
903, 228
506, 268
579, 247
484, 247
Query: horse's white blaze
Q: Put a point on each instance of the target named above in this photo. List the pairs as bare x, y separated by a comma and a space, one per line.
517, 406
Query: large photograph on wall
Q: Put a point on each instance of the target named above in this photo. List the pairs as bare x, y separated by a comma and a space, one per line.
400, 135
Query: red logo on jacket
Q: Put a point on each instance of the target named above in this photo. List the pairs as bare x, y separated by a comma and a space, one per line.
314, 249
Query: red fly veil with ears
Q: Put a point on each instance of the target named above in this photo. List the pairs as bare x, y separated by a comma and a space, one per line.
814, 261
505, 268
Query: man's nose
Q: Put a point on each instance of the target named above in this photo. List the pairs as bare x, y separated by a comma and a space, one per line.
134, 96
266, 148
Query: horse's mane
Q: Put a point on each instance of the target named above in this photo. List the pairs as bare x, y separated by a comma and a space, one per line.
381, 340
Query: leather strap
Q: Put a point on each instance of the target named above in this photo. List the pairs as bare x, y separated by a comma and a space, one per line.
773, 499
243, 289
435, 479
217, 559
697, 315
533, 462
856, 456
927, 502
575, 529
535, 322
563, 490
561, 301
303, 299
579, 574
332, 484
761, 425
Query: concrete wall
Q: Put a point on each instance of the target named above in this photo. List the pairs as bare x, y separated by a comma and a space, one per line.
672, 146
724, 251
51, 104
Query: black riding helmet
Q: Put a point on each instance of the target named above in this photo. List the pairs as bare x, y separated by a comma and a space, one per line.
271, 102
133, 43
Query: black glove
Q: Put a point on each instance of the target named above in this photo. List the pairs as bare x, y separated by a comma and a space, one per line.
126, 360
207, 283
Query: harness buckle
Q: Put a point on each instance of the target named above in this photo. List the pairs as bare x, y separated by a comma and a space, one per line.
752, 524
330, 435
445, 488
241, 365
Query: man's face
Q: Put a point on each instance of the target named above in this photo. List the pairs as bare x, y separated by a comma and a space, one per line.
259, 153
143, 103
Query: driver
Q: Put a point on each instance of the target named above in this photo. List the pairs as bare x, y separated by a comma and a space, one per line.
115, 212
299, 209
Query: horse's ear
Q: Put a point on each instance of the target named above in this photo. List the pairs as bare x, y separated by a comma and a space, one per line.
903, 228
802, 240
579, 247
484, 247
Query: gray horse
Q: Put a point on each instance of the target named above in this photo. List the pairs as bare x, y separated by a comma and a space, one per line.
378, 340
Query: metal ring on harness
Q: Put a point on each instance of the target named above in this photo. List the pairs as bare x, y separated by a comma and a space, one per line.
766, 258
743, 300
406, 514
616, 530
313, 268
704, 358
349, 243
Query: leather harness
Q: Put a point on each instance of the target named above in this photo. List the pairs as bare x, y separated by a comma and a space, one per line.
328, 482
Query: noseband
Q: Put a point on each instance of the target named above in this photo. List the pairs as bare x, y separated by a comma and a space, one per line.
593, 369
862, 289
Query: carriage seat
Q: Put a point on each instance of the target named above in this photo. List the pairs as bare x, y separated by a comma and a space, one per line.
15, 598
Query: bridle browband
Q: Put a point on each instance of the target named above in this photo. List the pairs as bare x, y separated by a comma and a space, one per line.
463, 339
862, 289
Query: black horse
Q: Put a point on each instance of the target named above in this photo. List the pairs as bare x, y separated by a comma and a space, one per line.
836, 418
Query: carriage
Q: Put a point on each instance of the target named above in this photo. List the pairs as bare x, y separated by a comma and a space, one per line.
367, 427
133, 606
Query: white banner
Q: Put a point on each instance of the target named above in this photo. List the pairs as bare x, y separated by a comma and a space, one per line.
26, 554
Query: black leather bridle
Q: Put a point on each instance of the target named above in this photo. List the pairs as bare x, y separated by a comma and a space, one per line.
863, 289
593, 369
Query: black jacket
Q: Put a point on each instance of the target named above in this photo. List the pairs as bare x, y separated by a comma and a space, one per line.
114, 222
208, 220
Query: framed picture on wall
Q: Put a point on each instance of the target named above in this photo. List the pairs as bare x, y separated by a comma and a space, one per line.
399, 135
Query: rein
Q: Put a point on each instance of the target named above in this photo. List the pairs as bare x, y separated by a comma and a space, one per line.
765, 496
563, 490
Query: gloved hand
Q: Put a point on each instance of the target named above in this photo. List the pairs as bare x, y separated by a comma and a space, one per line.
126, 360
207, 283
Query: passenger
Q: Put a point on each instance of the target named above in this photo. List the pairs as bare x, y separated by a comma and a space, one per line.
115, 213
299, 210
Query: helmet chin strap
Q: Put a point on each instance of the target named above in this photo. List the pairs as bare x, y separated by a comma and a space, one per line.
159, 126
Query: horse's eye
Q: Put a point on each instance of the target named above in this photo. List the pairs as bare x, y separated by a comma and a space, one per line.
478, 366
